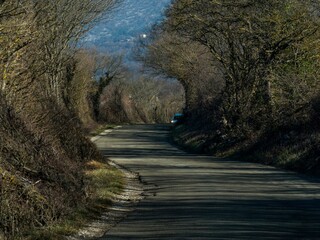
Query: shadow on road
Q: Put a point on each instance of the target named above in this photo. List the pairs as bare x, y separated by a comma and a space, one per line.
201, 197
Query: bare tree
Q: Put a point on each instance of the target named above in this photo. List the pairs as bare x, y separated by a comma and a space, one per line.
43, 149
141, 99
244, 39
110, 68
185, 60
59, 34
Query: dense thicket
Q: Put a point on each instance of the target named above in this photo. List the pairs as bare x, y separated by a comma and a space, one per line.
250, 70
44, 93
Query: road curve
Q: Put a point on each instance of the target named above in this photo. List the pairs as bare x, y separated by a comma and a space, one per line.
202, 197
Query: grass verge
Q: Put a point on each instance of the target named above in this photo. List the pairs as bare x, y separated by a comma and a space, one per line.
189, 140
102, 183
295, 148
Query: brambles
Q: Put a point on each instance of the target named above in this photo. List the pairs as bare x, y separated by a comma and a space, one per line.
43, 111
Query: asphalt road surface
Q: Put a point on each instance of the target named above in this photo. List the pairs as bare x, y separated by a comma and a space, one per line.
202, 197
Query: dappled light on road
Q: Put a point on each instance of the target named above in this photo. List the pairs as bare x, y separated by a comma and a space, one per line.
202, 197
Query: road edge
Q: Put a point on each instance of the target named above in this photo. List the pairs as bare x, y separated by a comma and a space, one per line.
123, 203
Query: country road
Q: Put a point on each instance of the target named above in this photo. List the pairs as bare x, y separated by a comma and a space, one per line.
202, 197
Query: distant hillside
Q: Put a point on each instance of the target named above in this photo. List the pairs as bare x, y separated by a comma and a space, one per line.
118, 31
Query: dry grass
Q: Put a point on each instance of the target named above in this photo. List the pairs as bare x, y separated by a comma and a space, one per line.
295, 148
104, 181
